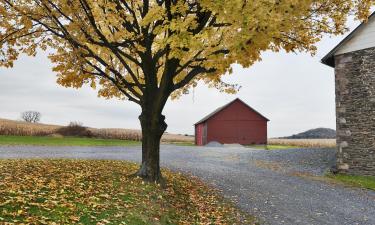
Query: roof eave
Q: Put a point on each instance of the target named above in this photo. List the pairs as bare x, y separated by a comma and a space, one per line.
329, 59
199, 122
265, 118
261, 115
225, 106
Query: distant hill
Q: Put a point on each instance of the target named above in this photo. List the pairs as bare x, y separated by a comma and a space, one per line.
318, 133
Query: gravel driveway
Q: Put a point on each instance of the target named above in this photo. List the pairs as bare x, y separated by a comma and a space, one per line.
276, 186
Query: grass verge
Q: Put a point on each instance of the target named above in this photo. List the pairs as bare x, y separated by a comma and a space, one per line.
73, 141
273, 147
101, 192
62, 141
367, 182
180, 143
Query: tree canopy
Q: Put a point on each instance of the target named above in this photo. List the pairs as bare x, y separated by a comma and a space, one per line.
126, 47
148, 50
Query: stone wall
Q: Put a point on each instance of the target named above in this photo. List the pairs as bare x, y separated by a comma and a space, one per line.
355, 111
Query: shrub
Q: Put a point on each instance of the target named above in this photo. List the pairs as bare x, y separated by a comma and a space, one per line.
75, 129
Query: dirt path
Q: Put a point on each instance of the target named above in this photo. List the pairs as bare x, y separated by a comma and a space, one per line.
275, 186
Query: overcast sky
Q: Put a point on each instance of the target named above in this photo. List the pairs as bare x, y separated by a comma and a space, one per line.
295, 91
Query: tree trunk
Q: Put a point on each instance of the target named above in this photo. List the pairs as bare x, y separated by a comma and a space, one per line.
153, 127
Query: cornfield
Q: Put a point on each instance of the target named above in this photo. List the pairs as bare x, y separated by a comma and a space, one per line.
18, 128
308, 143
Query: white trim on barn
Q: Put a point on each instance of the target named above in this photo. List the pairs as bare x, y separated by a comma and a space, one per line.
364, 38
360, 38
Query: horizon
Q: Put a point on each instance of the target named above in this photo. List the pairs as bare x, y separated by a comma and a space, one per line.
287, 88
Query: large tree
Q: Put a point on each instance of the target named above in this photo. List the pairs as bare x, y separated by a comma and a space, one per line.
146, 51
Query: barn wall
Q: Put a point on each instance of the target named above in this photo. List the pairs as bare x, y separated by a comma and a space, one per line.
363, 39
355, 109
196, 134
199, 134
237, 124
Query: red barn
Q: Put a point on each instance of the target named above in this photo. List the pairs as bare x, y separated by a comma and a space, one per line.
235, 122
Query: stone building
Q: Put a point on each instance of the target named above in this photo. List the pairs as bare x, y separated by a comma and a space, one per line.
354, 63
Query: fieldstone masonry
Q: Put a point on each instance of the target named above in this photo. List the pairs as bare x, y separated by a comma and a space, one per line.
355, 111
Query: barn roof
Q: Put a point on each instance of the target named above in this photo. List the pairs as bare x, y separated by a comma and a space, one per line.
329, 58
225, 106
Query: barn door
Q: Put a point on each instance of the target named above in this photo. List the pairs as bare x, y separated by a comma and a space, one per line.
204, 134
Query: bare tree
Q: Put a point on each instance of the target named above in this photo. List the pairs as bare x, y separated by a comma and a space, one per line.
31, 116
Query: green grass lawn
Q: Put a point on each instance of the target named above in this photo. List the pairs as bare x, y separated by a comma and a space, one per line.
367, 182
63, 141
102, 192
73, 141
181, 143
272, 147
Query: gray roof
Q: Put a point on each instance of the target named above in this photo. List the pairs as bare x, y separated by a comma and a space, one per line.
225, 106
329, 58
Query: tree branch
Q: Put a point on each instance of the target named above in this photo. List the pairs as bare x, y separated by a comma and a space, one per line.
191, 75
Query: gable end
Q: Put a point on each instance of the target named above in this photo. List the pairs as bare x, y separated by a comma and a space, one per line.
360, 38
226, 106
